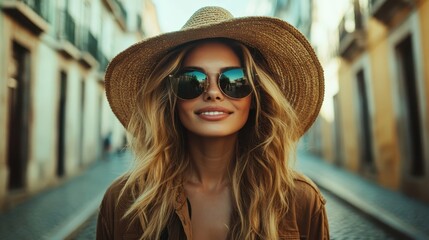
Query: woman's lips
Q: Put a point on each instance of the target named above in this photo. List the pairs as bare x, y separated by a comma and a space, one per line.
213, 114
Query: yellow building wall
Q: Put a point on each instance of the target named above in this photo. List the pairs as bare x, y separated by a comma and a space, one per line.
328, 140
386, 149
423, 11
424, 28
389, 168
348, 124
387, 158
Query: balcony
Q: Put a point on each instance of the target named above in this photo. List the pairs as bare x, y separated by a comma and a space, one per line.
385, 10
92, 45
140, 25
122, 10
88, 45
67, 35
32, 14
103, 60
351, 33
118, 11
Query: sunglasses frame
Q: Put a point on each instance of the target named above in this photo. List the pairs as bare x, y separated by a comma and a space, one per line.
173, 77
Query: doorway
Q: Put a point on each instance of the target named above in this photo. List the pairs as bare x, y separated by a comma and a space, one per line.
410, 129
18, 99
62, 124
365, 128
82, 122
338, 158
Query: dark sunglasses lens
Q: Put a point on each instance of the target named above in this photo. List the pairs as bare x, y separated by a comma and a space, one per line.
234, 83
189, 84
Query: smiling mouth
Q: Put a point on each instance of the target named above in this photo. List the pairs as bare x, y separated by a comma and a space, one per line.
212, 113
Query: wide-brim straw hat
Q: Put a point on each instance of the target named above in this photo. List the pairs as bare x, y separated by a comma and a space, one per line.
289, 56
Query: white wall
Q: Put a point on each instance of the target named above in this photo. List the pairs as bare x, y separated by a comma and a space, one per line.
44, 104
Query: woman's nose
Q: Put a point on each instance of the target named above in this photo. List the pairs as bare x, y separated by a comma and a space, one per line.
212, 91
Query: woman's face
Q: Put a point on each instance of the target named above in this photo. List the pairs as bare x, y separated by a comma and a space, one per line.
213, 114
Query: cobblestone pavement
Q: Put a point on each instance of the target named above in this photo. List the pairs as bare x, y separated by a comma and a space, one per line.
87, 232
405, 215
57, 212
345, 223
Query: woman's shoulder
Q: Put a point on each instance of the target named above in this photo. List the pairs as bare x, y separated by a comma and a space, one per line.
305, 186
307, 195
307, 215
111, 221
118, 183
116, 201
112, 196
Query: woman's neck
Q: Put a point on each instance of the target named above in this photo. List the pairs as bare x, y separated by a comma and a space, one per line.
210, 160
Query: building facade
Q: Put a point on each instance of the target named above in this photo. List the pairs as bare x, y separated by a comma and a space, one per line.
297, 13
54, 116
375, 119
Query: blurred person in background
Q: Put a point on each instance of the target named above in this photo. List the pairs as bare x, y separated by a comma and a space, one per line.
107, 144
214, 112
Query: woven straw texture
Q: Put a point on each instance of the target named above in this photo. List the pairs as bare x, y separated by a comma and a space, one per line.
289, 55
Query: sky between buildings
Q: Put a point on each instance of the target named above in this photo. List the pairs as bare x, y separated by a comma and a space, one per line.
174, 14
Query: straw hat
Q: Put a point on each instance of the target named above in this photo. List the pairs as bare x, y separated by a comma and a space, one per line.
288, 54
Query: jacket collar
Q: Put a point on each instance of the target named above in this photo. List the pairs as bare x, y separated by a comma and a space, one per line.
182, 210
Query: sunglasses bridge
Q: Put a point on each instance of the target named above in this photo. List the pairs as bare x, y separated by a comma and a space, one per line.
206, 84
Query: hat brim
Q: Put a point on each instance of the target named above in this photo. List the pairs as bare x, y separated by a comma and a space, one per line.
288, 54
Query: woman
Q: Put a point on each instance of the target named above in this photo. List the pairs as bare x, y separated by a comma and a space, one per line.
214, 112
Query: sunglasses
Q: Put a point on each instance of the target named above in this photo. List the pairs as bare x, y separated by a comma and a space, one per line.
190, 83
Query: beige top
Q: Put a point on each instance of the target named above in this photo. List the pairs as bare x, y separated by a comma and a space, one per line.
306, 218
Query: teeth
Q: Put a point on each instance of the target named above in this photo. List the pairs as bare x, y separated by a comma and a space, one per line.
212, 113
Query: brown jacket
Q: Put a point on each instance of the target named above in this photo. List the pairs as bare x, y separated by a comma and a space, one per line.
306, 218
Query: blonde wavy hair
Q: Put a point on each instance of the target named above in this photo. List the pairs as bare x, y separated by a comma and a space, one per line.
262, 180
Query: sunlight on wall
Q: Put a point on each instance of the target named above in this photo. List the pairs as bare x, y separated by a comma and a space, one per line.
324, 37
